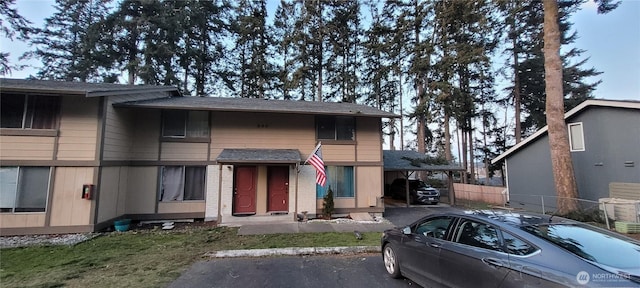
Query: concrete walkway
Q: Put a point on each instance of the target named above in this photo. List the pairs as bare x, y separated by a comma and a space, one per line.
314, 227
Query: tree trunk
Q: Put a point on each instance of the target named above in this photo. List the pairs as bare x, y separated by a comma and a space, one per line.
562, 166
472, 158
447, 137
516, 86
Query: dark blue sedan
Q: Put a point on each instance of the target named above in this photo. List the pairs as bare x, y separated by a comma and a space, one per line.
507, 249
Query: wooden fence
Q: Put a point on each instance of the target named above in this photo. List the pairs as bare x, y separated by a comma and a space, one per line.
487, 194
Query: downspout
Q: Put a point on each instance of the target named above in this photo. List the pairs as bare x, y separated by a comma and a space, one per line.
452, 192
219, 220
295, 215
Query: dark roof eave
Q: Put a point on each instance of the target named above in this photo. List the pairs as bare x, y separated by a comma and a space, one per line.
225, 107
54, 87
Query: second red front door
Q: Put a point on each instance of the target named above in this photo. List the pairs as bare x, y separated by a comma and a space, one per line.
278, 189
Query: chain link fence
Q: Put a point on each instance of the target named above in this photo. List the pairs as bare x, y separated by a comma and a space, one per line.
605, 211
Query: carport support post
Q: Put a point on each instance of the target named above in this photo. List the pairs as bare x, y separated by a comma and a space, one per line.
406, 186
452, 192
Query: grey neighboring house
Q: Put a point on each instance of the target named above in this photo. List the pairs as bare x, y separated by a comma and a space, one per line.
604, 136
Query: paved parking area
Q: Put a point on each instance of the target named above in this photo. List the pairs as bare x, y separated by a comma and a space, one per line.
400, 216
354, 271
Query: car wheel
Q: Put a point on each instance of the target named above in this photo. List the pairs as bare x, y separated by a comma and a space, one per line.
390, 259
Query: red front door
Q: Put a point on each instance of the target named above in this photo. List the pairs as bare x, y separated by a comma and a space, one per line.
278, 188
244, 190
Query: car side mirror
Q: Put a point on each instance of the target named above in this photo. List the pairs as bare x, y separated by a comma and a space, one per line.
406, 230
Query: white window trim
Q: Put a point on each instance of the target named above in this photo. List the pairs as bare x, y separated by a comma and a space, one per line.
579, 124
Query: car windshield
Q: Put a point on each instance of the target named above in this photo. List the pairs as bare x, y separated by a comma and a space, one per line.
590, 244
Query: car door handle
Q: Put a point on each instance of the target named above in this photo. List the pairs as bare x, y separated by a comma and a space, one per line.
434, 245
492, 262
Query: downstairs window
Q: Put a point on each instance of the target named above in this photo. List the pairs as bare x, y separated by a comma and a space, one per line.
182, 183
24, 189
341, 181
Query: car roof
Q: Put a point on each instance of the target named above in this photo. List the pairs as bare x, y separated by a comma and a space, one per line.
510, 218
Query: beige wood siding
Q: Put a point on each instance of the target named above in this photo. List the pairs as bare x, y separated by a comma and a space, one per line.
369, 139
181, 207
337, 153
123, 125
145, 139
26, 148
67, 206
182, 151
369, 185
142, 190
112, 193
338, 203
78, 134
261, 190
21, 220
261, 130
117, 133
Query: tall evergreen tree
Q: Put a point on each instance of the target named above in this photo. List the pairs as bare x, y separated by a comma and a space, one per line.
284, 29
525, 32
253, 47
562, 165
203, 50
12, 26
343, 50
67, 46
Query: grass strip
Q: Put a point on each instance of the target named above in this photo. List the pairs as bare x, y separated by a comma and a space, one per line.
144, 258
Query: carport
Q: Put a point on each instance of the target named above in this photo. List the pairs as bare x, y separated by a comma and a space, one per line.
406, 162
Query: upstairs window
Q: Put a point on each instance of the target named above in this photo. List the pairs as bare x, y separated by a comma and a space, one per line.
576, 137
335, 128
185, 124
28, 111
24, 189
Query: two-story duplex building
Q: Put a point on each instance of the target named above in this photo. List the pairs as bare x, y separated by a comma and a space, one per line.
76, 156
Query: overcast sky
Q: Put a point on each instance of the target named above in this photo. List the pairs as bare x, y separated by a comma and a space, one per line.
611, 41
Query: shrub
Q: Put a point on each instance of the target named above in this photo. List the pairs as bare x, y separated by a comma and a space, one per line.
327, 204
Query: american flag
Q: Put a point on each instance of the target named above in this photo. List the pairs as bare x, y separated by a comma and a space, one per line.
315, 159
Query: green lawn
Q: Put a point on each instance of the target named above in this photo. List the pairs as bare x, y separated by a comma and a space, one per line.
143, 258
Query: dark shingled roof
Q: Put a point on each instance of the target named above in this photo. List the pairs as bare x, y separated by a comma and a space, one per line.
77, 88
259, 105
396, 160
259, 156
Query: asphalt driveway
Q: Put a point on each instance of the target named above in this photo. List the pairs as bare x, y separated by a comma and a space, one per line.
363, 270
402, 216
357, 271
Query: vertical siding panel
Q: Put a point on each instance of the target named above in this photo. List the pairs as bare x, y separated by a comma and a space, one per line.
369, 186
142, 190
78, 129
67, 207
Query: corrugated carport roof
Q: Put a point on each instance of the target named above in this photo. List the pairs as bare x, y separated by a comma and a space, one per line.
259, 105
400, 160
259, 156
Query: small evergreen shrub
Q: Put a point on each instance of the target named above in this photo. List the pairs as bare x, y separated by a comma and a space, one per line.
327, 204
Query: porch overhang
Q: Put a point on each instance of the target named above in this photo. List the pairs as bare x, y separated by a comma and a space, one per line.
256, 156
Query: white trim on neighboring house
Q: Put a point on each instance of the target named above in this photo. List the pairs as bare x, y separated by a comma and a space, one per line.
579, 136
603, 103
